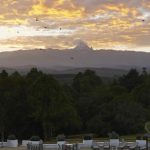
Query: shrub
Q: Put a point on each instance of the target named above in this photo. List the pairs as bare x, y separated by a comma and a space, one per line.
35, 138
138, 137
145, 138
88, 137
113, 135
12, 137
61, 137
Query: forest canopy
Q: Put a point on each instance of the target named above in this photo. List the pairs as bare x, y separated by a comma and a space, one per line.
38, 104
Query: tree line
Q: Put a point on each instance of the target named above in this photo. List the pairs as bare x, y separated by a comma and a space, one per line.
38, 104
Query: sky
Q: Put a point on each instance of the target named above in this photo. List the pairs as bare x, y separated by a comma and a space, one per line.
102, 24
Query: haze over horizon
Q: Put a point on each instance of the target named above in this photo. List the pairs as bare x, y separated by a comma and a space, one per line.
60, 24
81, 56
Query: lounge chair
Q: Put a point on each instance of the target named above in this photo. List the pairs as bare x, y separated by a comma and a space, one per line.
95, 146
133, 146
122, 145
141, 144
106, 145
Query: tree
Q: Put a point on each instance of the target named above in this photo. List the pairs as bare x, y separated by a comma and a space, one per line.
85, 82
18, 114
84, 85
33, 75
142, 95
129, 116
131, 80
3, 74
50, 105
4, 94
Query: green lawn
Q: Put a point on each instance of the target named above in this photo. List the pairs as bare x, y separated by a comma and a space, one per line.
79, 139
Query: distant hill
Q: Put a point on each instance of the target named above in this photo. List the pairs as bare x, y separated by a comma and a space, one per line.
108, 72
103, 72
105, 62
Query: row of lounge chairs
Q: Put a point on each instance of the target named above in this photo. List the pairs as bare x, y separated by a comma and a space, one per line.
113, 144
107, 145
138, 144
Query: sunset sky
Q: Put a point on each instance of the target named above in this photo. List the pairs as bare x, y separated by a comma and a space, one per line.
102, 24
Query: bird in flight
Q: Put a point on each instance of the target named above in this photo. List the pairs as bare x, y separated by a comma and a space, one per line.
45, 27
72, 58
37, 19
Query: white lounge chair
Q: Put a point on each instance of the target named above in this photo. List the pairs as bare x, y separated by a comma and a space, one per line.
122, 145
106, 145
132, 146
141, 144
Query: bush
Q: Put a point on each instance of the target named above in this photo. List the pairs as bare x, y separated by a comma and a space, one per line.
138, 137
12, 137
145, 138
113, 135
61, 137
35, 138
88, 137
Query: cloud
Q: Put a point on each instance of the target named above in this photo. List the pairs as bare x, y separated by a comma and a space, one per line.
58, 23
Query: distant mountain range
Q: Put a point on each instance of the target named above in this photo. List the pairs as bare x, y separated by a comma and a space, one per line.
107, 62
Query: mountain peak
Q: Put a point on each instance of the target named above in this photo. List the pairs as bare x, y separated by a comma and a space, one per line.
82, 46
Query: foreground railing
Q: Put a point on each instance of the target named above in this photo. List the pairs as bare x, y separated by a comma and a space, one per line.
31, 146
107, 145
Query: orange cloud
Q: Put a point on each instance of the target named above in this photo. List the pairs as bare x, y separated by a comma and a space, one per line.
122, 9
100, 23
41, 9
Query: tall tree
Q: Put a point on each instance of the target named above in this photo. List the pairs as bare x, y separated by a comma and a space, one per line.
4, 94
50, 105
84, 85
18, 106
131, 80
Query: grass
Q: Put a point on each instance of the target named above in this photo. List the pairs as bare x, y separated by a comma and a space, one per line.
79, 139
128, 139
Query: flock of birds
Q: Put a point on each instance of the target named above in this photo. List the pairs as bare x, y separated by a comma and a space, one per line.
37, 20
46, 27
